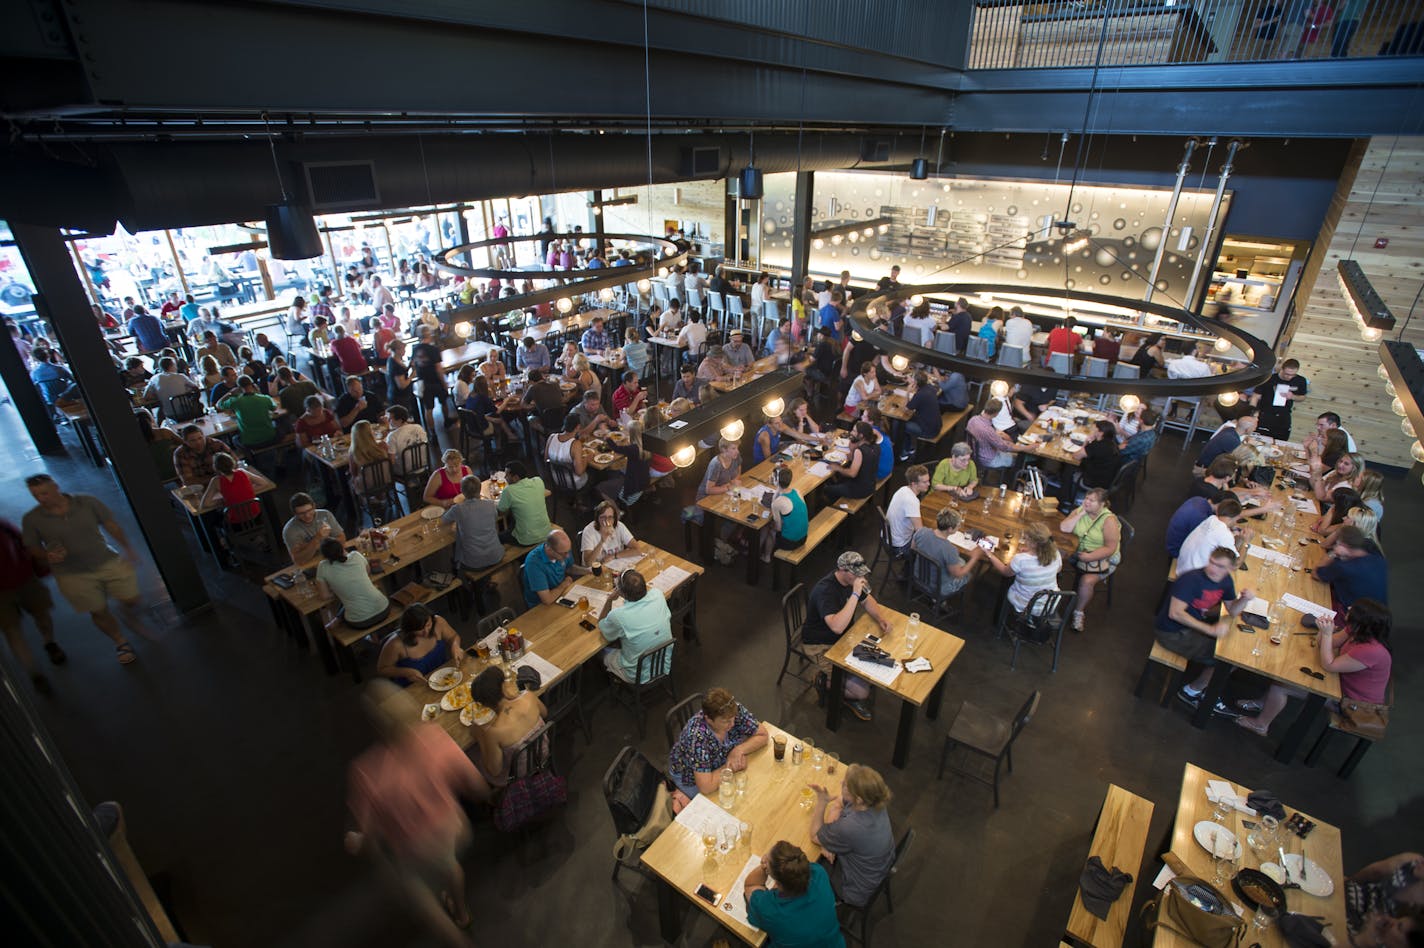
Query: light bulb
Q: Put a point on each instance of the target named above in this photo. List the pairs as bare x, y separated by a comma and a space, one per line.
899, 363
836, 239
853, 236
565, 304
644, 285
1222, 345
683, 457
869, 231
884, 228
986, 297
1417, 451
1371, 334
857, 336
1129, 402
734, 430
606, 294
774, 407
1408, 428
998, 388
1227, 399
916, 300
818, 244
662, 271
1397, 406
462, 330
597, 209
1389, 387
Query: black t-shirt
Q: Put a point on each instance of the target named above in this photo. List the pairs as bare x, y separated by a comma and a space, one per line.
1100, 463
1201, 488
925, 404
375, 405
395, 373
544, 395
827, 598
825, 358
425, 361
1300, 385
1034, 397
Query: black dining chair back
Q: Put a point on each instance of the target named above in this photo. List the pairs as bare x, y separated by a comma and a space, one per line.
678, 716
1123, 489
682, 604
376, 490
415, 469
564, 702
1043, 622
630, 793
653, 671
988, 737
926, 578
793, 618
185, 406
535, 755
893, 558
493, 621
851, 913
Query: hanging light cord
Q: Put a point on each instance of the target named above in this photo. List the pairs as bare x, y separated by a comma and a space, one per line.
648, 104
276, 166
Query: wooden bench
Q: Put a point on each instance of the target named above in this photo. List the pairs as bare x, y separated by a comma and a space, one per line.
1119, 841
476, 579
821, 526
344, 638
1173, 666
948, 421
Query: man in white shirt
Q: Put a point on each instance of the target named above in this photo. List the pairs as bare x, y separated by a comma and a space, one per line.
380, 296
925, 323
670, 320
1018, 331
1213, 532
759, 291
167, 383
403, 435
903, 514
693, 336
1189, 366
694, 279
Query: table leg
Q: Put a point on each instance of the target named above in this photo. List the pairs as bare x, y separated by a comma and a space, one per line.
1299, 728
754, 559
904, 734
322, 641
89, 443
834, 697
1220, 672
669, 914
936, 697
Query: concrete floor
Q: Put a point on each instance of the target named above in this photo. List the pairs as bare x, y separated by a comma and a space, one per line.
228, 747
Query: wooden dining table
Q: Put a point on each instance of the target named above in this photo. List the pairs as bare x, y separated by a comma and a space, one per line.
771, 807
1291, 662
575, 322
735, 380
914, 689
1322, 846
555, 633
1054, 445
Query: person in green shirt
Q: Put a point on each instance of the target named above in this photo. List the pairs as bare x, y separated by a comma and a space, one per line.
525, 498
957, 474
801, 911
254, 413
292, 392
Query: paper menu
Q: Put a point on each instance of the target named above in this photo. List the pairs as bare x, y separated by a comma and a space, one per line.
547, 670
701, 812
596, 597
819, 469
1304, 506
884, 674
669, 579
622, 561
1281, 398
1257, 606
1270, 556
1306, 607
734, 903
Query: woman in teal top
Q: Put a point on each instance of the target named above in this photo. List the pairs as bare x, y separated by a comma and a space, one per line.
768, 442
801, 911
989, 330
344, 575
790, 521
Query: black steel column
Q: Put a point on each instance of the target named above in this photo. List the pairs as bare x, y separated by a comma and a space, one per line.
801, 226
110, 409
731, 242
33, 411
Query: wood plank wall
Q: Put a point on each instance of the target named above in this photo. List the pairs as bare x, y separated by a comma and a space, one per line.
1386, 199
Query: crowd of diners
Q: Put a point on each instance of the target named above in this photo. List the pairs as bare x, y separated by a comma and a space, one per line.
535, 410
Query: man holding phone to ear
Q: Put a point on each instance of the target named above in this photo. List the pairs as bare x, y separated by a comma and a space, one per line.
830, 611
642, 622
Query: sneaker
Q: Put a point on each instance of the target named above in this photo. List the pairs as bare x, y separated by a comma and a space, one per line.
1187, 697
1077, 622
1223, 710
859, 709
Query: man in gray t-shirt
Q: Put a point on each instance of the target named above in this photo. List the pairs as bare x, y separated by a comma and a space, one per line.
934, 544
308, 527
476, 536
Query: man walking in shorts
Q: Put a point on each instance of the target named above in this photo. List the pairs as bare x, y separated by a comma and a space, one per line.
64, 529
21, 590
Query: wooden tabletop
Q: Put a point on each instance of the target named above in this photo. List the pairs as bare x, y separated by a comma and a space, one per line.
756, 370
593, 448
1056, 447
553, 633
1119, 841
1006, 519
940, 647
577, 322
771, 808
755, 482
1322, 847
189, 496
454, 358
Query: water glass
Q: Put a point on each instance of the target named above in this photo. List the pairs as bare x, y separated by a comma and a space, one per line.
726, 789
912, 634
818, 758
1264, 917
1219, 812
1223, 864
727, 835
741, 782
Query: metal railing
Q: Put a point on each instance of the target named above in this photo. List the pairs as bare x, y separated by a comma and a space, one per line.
1065, 33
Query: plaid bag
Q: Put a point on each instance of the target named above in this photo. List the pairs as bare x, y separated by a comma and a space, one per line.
529, 799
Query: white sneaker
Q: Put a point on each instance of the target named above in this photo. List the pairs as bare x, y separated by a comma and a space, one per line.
1077, 622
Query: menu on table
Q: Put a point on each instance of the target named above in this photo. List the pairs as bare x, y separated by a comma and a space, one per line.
884, 674
669, 579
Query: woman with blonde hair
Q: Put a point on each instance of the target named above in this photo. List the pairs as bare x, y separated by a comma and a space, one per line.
1034, 568
1362, 517
854, 833
493, 369
365, 451
443, 488
1345, 475
1371, 488
584, 377
212, 372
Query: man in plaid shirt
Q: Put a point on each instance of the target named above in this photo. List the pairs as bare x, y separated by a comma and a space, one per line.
193, 459
595, 339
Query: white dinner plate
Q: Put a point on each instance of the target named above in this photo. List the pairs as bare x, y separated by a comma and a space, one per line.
467, 716
443, 679
1317, 881
432, 513
605, 457
1211, 835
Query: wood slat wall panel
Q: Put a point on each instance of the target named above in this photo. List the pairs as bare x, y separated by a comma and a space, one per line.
1385, 200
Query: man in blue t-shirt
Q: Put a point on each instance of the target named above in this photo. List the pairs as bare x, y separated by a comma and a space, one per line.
829, 316
1188, 517
548, 569
1355, 569
147, 331
1199, 611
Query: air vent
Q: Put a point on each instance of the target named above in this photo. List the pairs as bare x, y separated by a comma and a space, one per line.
701, 162
342, 185
875, 149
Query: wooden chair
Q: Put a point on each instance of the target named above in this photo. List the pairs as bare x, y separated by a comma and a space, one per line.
654, 670
988, 737
1363, 742
862, 912
679, 714
1043, 621
793, 617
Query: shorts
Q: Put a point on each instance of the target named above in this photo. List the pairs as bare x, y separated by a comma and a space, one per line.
33, 597
91, 590
1190, 644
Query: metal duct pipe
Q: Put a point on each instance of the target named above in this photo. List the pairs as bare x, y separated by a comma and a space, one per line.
1182, 170
1211, 221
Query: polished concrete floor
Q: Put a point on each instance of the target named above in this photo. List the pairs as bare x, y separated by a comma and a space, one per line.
228, 747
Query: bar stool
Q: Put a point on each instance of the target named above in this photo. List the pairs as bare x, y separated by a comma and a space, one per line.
736, 315
947, 343
977, 349
1061, 362
1188, 424
1095, 368
716, 308
770, 314
1126, 370
695, 300
1015, 357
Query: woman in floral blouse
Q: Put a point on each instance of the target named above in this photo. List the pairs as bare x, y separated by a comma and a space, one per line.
719, 736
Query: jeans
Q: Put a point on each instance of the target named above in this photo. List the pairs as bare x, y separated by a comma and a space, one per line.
909, 432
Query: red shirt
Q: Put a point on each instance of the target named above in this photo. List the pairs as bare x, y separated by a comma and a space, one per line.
348, 353
16, 566
1063, 339
384, 337
313, 431
622, 398
235, 490
168, 307
406, 795
1371, 683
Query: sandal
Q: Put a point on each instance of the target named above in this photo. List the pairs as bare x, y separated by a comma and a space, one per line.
1252, 725
55, 653
126, 653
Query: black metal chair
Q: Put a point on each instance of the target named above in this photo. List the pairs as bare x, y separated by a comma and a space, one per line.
415, 466
185, 406
1122, 492
565, 485
1043, 621
682, 603
985, 736
654, 670
624, 821
563, 700
476, 439
679, 714
925, 579
886, 548
852, 912
377, 496
793, 617
493, 621
249, 537
535, 755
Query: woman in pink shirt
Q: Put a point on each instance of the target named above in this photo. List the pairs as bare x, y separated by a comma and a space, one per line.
1358, 653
